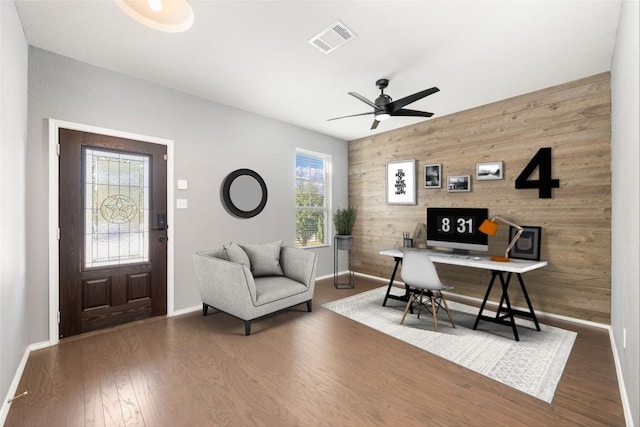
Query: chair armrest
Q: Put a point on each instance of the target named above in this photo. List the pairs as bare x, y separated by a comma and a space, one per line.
299, 265
223, 283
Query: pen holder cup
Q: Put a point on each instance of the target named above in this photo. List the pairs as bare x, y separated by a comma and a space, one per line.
408, 242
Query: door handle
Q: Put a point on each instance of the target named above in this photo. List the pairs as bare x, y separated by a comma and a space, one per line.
161, 222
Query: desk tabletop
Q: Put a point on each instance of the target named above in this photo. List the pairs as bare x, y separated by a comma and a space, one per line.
474, 261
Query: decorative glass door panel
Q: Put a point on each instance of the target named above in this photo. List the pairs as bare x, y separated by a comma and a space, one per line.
113, 257
116, 208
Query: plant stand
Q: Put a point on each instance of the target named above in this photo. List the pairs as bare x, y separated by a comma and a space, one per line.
343, 243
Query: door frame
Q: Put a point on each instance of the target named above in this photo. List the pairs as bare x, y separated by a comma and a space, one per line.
54, 185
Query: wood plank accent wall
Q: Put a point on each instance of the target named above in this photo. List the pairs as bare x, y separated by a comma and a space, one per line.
575, 120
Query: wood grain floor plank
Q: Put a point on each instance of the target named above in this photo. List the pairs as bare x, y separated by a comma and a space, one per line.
296, 369
67, 381
94, 416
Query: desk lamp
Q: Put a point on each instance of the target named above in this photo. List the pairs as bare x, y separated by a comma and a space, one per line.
490, 226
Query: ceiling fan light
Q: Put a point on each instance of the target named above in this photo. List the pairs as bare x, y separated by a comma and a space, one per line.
174, 16
382, 116
155, 5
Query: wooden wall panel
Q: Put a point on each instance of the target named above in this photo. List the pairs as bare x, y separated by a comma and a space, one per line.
575, 120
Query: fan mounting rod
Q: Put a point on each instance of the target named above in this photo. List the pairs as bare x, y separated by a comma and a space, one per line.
382, 84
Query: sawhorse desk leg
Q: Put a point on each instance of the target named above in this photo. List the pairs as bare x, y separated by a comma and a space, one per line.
505, 314
389, 295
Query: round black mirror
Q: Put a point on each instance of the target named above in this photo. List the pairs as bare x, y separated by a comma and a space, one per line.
244, 193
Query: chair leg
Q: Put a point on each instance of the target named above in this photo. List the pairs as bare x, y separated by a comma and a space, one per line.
205, 309
406, 309
446, 307
420, 303
434, 312
247, 327
309, 306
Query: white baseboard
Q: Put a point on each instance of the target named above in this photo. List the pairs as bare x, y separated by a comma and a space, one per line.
185, 310
623, 390
329, 276
13, 388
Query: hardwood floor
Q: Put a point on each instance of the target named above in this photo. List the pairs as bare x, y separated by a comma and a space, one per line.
296, 369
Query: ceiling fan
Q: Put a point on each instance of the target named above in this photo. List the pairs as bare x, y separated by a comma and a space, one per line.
384, 107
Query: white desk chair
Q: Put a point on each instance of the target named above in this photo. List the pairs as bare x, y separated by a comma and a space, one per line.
419, 273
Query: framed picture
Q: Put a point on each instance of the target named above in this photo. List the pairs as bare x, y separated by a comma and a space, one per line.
488, 171
458, 183
401, 182
528, 245
433, 176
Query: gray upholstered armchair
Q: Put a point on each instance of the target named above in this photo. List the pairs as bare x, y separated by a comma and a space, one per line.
251, 281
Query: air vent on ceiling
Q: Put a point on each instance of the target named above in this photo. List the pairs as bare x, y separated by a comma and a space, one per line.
332, 37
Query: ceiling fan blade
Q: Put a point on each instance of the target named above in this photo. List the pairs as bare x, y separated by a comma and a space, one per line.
352, 115
398, 104
365, 100
374, 124
411, 113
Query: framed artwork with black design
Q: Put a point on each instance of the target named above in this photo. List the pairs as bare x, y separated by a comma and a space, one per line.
401, 182
528, 245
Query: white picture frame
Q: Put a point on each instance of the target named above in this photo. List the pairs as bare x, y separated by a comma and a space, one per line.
458, 183
400, 182
489, 171
433, 176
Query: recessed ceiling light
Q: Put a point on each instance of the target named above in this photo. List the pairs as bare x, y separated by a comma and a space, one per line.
172, 16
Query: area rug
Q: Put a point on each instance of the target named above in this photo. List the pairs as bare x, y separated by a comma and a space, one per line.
532, 365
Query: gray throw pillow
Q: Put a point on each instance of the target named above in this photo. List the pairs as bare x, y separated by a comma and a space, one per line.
265, 258
236, 254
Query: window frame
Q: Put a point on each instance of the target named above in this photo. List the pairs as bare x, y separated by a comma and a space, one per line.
327, 201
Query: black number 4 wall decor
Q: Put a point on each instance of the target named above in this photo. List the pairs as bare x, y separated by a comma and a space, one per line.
544, 183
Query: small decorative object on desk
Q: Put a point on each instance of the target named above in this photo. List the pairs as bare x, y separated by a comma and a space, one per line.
528, 245
420, 235
408, 242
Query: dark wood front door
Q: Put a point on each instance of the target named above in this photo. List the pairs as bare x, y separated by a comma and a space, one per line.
113, 239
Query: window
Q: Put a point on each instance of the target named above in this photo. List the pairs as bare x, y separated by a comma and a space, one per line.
313, 198
116, 208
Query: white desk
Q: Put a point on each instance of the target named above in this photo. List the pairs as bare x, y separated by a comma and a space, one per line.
505, 313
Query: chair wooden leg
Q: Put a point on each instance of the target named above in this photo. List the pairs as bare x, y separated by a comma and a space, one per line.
247, 327
309, 306
420, 303
446, 307
205, 309
406, 309
434, 311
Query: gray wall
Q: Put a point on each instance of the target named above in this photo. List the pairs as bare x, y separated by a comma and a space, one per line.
625, 201
14, 336
211, 140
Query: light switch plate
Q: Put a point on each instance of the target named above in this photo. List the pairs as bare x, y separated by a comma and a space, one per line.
181, 203
183, 184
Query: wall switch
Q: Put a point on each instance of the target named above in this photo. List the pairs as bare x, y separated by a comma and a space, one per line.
181, 203
624, 337
183, 184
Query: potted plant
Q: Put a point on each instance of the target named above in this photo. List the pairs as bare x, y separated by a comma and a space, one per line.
344, 220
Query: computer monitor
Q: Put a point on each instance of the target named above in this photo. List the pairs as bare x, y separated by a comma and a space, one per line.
457, 229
